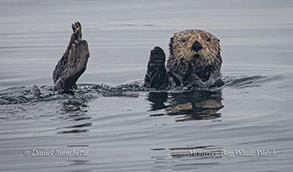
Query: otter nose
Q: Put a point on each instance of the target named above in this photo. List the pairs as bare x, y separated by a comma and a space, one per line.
196, 46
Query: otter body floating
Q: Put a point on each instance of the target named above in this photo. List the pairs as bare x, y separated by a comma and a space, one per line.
73, 62
195, 61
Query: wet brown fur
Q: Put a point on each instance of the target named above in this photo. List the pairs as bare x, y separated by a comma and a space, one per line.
73, 62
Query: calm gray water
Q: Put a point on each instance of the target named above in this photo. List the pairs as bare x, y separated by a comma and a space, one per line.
245, 126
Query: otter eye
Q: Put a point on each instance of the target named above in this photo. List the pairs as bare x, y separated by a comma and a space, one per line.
183, 40
209, 39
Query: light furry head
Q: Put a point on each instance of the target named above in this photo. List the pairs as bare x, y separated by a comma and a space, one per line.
194, 51
196, 46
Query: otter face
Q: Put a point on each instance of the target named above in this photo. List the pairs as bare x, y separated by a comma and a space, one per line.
196, 46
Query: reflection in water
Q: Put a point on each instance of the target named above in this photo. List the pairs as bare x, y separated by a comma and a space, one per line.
79, 162
76, 128
73, 131
195, 105
188, 157
75, 109
212, 151
158, 100
74, 105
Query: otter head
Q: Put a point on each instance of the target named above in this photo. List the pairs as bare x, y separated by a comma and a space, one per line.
197, 46
194, 51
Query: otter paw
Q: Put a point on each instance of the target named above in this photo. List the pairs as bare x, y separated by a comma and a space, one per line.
184, 67
158, 56
156, 76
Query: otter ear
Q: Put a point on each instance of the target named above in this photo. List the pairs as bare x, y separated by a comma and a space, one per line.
218, 40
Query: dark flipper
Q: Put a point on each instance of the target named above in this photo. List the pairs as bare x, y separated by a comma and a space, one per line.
156, 76
73, 63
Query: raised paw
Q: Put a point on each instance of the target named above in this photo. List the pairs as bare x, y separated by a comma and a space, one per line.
156, 76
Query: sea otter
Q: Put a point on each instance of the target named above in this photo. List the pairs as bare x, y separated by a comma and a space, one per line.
195, 61
73, 62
